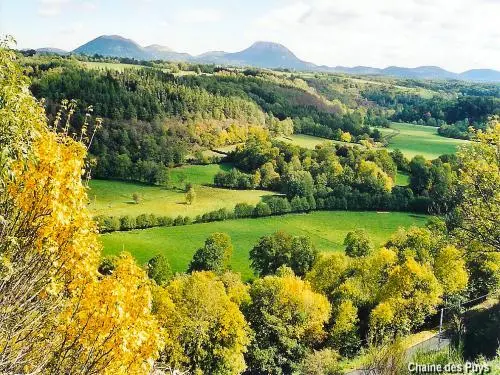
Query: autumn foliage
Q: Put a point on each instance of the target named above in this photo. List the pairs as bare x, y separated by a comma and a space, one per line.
57, 314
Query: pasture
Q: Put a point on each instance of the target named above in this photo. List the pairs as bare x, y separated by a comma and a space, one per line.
111, 197
327, 229
419, 140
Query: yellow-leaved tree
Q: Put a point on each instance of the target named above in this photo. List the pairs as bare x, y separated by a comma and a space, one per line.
58, 315
288, 320
476, 220
202, 325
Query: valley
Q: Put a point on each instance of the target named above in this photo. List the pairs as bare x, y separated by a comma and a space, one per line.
212, 215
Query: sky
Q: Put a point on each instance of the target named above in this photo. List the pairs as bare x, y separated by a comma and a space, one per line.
454, 34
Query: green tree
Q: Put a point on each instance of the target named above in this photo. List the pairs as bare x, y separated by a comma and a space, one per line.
288, 319
282, 249
190, 196
215, 255
127, 222
136, 197
262, 209
243, 210
476, 219
162, 176
357, 243
159, 269
420, 175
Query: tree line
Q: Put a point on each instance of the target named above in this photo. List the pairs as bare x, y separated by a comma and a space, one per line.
342, 177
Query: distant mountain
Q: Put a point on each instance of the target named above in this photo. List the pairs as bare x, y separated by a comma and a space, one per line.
421, 72
487, 75
159, 52
361, 70
57, 51
212, 57
267, 55
154, 48
114, 46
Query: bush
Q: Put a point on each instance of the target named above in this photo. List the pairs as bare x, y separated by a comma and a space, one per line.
482, 332
165, 221
178, 221
142, 221
127, 222
388, 360
322, 362
107, 223
243, 210
262, 209
159, 269
279, 205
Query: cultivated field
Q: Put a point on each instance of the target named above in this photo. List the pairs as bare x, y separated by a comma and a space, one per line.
420, 140
327, 230
108, 197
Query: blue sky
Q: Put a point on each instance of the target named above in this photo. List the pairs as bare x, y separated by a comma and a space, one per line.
454, 34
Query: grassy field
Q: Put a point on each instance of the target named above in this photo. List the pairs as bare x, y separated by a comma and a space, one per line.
420, 140
327, 230
111, 66
303, 140
402, 179
115, 197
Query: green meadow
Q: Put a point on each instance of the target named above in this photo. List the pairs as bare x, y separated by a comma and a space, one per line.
111, 197
402, 179
419, 140
111, 66
327, 230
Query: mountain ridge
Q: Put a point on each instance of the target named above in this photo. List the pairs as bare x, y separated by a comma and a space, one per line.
265, 54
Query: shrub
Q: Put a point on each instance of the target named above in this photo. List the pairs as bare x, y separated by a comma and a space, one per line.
262, 209
127, 222
243, 210
142, 221
178, 221
279, 205
159, 269
165, 221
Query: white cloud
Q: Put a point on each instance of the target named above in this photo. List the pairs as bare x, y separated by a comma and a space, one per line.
51, 8
449, 33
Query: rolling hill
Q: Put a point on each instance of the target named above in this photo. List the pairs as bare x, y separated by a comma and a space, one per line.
265, 55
